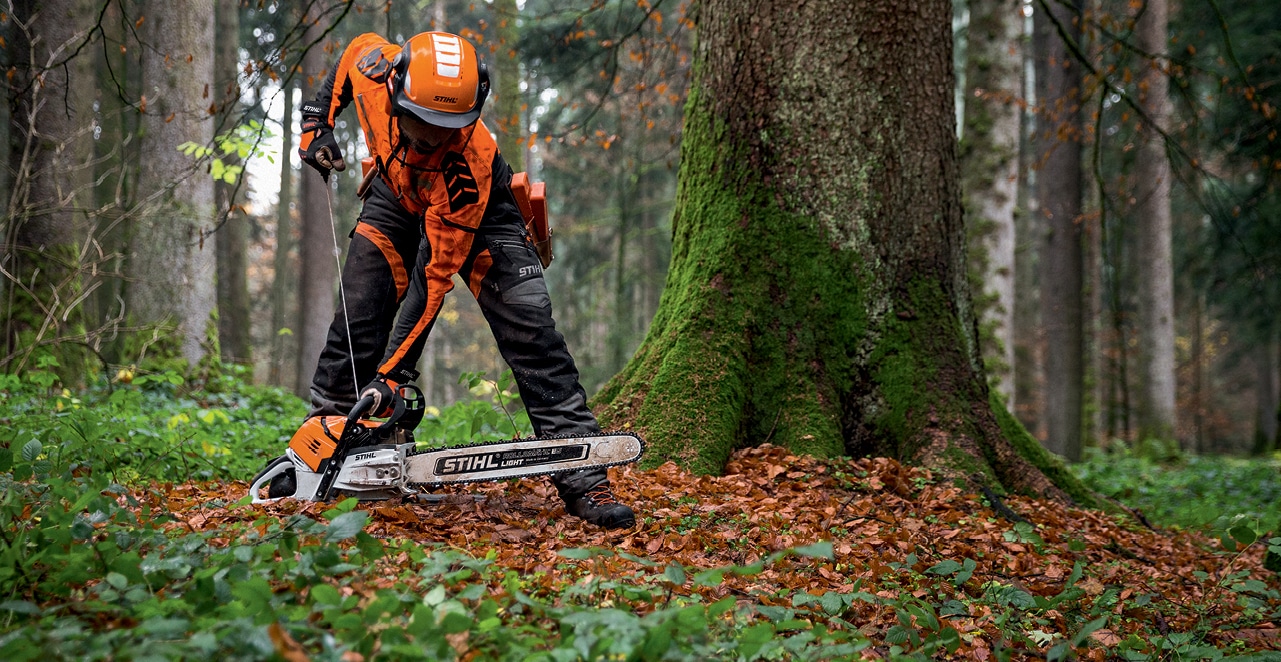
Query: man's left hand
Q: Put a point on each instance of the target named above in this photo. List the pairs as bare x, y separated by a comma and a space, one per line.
383, 393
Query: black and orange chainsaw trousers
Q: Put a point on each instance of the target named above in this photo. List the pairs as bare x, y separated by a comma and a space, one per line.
380, 273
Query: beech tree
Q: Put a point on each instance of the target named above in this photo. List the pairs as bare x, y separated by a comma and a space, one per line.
817, 294
1154, 255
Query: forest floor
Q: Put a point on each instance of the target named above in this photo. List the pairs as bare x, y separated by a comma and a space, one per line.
913, 560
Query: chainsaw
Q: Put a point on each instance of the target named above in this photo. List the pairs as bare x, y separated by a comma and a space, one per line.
354, 455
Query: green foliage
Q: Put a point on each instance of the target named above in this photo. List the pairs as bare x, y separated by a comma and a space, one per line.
90, 569
1202, 492
153, 428
498, 416
236, 146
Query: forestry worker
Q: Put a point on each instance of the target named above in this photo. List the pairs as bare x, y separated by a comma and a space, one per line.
440, 205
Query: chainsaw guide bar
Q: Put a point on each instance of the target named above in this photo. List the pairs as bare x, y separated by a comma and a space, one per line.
384, 471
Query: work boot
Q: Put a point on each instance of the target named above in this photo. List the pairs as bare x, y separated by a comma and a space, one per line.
598, 506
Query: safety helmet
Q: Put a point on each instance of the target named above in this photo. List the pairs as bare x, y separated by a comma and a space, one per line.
439, 79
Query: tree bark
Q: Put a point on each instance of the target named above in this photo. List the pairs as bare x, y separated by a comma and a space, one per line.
817, 294
284, 267
43, 309
318, 270
505, 63
989, 163
172, 263
1155, 271
1267, 393
1059, 191
234, 321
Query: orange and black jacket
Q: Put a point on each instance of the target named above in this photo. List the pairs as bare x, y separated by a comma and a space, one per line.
449, 188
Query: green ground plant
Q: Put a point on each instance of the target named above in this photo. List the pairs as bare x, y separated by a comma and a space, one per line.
94, 565
1204, 492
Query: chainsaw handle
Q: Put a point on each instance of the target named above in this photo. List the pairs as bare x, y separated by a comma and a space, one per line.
360, 409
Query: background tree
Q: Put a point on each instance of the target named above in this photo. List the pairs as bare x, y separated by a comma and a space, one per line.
318, 271
989, 152
234, 323
171, 263
47, 206
1151, 213
817, 295
1058, 178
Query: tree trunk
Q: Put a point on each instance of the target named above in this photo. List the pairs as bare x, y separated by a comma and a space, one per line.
43, 311
318, 270
817, 295
1267, 393
1059, 191
505, 63
172, 263
1028, 395
284, 267
234, 321
989, 163
1155, 272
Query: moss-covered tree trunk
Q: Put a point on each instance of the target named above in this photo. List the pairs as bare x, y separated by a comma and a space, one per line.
817, 296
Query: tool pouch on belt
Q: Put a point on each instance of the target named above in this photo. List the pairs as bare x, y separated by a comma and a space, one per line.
368, 170
532, 199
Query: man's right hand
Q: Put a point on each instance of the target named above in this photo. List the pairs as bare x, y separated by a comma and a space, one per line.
318, 147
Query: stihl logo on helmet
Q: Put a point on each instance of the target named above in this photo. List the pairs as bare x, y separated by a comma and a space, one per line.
439, 80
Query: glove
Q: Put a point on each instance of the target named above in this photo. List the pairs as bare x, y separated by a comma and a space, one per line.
383, 391
318, 147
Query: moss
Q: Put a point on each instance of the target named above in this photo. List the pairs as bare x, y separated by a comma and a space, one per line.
733, 357
50, 282
1053, 467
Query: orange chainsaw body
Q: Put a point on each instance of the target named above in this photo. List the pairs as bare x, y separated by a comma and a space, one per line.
317, 438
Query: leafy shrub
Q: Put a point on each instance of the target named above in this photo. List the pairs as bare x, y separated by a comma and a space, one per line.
495, 414
150, 429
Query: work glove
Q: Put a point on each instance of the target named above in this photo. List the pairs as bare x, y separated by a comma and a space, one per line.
383, 391
318, 147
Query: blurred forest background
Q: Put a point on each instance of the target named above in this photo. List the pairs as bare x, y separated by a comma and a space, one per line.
1120, 164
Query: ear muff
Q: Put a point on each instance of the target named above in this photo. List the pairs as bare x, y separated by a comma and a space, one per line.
482, 91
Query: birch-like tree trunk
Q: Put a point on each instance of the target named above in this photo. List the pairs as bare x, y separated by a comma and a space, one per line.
172, 254
989, 166
1155, 271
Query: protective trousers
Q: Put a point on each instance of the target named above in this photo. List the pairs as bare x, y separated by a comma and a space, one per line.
385, 265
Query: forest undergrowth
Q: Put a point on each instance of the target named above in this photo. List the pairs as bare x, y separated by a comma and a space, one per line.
126, 534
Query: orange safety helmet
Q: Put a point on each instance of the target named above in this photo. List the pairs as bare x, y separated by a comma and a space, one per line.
438, 78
